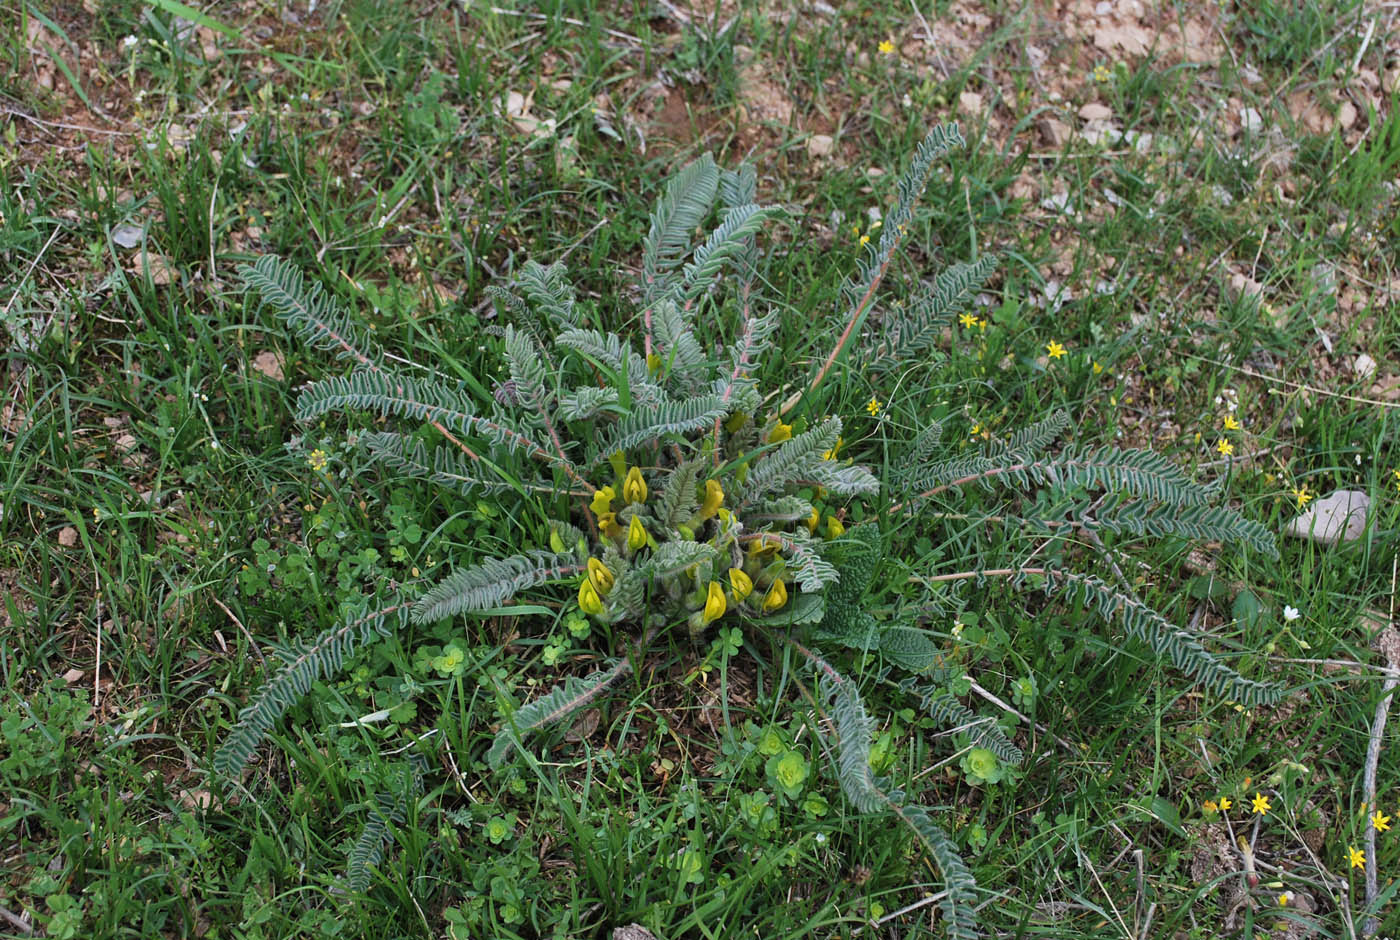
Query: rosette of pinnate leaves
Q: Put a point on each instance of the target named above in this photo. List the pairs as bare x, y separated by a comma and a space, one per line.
697, 497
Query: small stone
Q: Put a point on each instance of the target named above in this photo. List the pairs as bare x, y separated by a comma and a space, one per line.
127, 236
68, 536
1364, 366
1346, 115
1053, 133
269, 364
1093, 111
1243, 286
73, 675
1251, 120
970, 102
820, 145
1340, 516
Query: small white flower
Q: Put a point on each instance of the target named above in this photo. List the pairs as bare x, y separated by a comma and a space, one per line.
1290, 613
129, 41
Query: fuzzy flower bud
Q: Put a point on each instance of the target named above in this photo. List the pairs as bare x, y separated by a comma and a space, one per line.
618, 461
776, 597
602, 500
741, 583
736, 421
813, 521
782, 432
600, 577
634, 488
715, 604
834, 528
636, 534
588, 600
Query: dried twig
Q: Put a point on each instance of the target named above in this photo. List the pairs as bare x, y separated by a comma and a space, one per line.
1373, 756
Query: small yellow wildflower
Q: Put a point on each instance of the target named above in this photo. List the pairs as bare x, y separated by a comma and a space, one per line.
834, 528
1101, 74
715, 604
634, 487
588, 600
1210, 806
982, 324
1054, 349
1226, 803
1380, 821
607, 524
600, 577
317, 459
1261, 804
1285, 898
1302, 495
781, 432
740, 583
873, 406
886, 47
835, 449
967, 320
1397, 478
776, 597
1231, 424
864, 240
636, 534
714, 498
815, 518
1225, 447
1356, 857
602, 500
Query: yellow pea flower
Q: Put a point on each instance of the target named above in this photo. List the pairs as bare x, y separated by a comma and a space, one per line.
741, 583
776, 597
602, 500
607, 524
834, 528
714, 498
653, 363
636, 534
761, 547
736, 421
781, 432
814, 520
715, 604
588, 600
634, 487
599, 576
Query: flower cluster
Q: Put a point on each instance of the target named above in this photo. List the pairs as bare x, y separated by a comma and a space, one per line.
631, 530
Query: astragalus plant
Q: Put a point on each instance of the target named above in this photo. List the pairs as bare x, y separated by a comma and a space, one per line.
698, 498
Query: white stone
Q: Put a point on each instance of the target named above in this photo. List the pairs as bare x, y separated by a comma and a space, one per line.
1340, 516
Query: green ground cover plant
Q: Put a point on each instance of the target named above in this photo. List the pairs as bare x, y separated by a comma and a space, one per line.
1193, 223
691, 511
